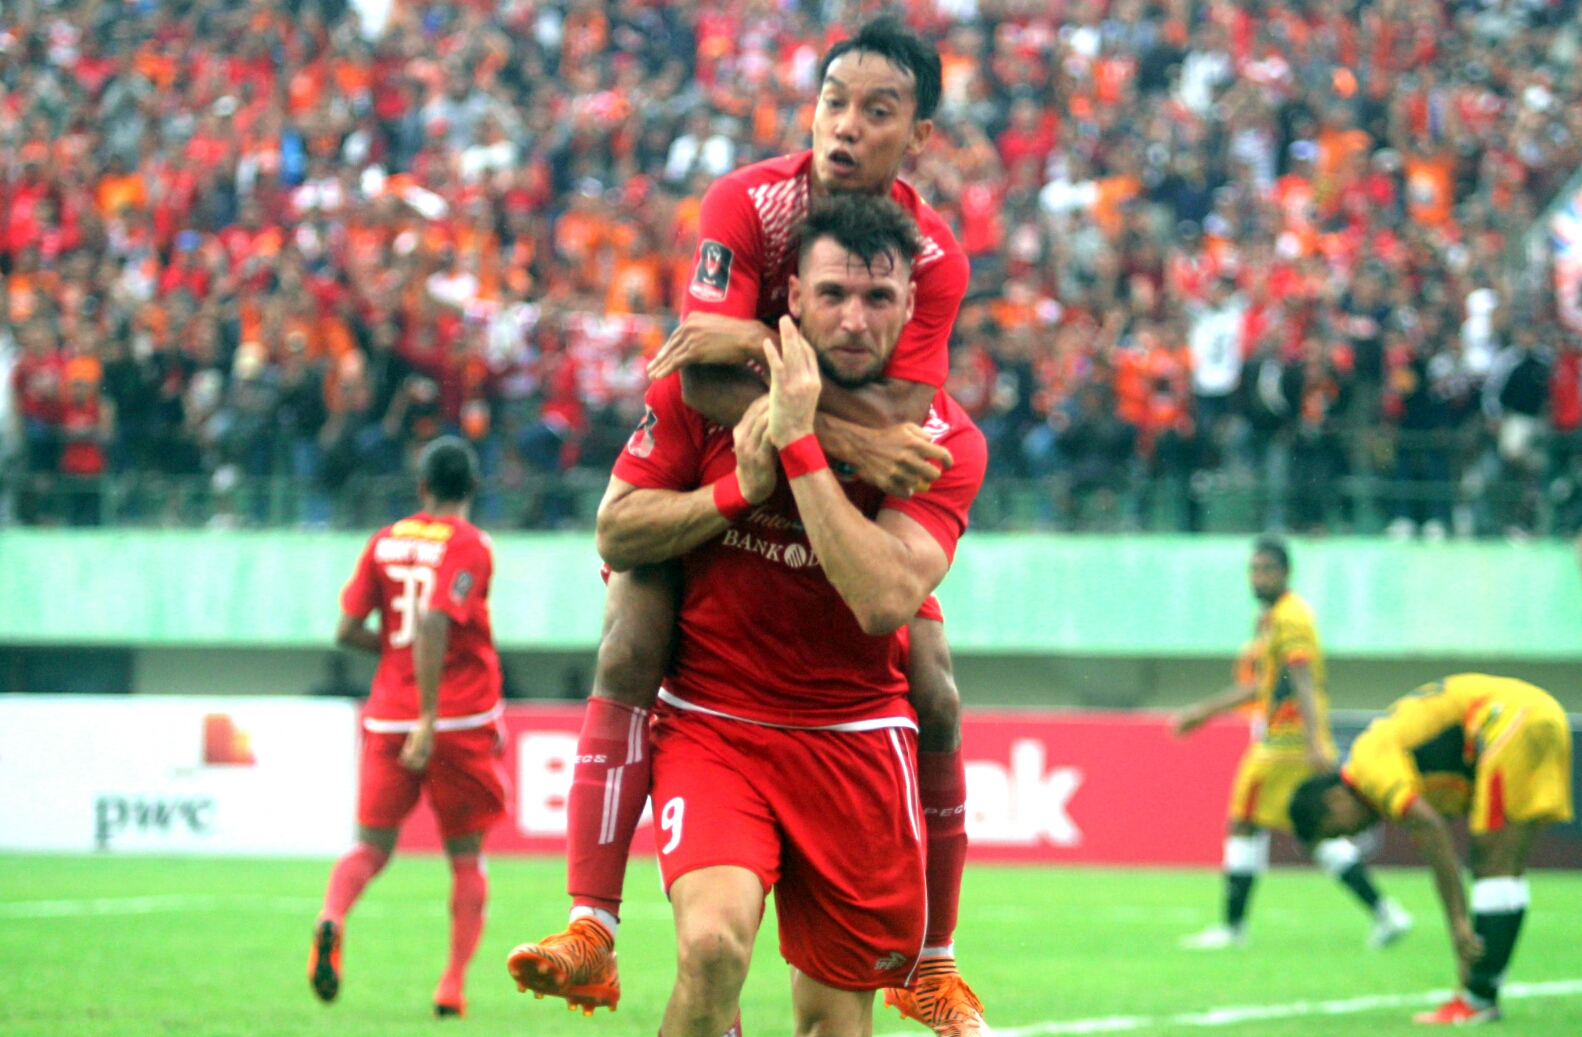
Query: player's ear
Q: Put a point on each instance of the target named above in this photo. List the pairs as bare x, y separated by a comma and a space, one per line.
911, 297
922, 129
794, 298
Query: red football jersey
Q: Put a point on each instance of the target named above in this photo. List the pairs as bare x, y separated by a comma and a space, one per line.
420, 563
764, 634
747, 253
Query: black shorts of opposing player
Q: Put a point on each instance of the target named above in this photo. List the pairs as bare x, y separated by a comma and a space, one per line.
448, 470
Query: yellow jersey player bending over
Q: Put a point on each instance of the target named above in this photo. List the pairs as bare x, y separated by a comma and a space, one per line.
1286, 679
1493, 749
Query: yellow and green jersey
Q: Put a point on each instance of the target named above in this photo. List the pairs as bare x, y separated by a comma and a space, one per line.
1488, 747
1287, 636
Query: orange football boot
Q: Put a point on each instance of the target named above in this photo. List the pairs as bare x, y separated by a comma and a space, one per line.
1457, 1012
324, 960
941, 1000
578, 965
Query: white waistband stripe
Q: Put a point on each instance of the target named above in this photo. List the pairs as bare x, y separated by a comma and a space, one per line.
467, 723
876, 724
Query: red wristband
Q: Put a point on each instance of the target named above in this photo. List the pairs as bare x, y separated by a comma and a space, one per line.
728, 498
802, 456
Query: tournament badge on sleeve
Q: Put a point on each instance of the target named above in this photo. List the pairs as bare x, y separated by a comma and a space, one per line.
713, 276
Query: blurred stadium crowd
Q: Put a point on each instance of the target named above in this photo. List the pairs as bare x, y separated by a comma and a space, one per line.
254, 250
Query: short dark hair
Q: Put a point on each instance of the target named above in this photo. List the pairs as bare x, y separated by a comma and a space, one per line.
1308, 808
890, 39
448, 467
864, 225
1275, 548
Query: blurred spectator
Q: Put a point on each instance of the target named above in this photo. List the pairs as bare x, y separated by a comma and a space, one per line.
1258, 250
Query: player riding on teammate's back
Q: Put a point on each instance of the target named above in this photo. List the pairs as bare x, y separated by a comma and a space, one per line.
433, 719
878, 91
784, 751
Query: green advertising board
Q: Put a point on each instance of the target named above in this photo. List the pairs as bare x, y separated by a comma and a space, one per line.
1155, 596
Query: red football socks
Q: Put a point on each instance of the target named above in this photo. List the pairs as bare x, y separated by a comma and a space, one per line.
469, 892
608, 790
942, 786
350, 875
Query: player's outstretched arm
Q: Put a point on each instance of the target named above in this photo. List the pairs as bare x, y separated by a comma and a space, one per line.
1432, 836
1199, 713
883, 569
352, 632
638, 526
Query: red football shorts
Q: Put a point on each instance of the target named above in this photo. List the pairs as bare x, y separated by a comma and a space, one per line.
464, 779
829, 820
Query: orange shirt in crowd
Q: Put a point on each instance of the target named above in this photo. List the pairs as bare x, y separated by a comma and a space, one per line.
117, 192
1335, 151
637, 285
1114, 192
1430, 188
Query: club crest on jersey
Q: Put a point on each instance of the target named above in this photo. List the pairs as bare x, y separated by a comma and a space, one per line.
460, 587
642, 442
712, 278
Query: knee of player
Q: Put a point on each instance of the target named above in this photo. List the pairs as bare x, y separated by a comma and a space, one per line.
713, 951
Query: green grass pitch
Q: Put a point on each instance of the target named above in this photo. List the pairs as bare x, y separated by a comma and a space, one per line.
101, 946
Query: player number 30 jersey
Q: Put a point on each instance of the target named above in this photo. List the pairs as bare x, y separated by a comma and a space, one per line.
423, 563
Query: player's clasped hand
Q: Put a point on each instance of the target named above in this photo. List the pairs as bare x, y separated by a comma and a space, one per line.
755, 454
794, 385
419, 746
902, 460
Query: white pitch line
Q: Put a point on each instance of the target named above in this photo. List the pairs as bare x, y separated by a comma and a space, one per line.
1231, 1015
170, 903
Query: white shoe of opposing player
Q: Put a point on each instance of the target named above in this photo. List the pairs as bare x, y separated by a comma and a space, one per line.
1390, 923
1214, 938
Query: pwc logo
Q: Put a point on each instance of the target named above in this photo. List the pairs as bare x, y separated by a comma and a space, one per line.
225, 744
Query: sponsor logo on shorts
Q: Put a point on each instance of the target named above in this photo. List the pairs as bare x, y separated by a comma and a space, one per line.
890, 962
792, 556
712, 279
642, 442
